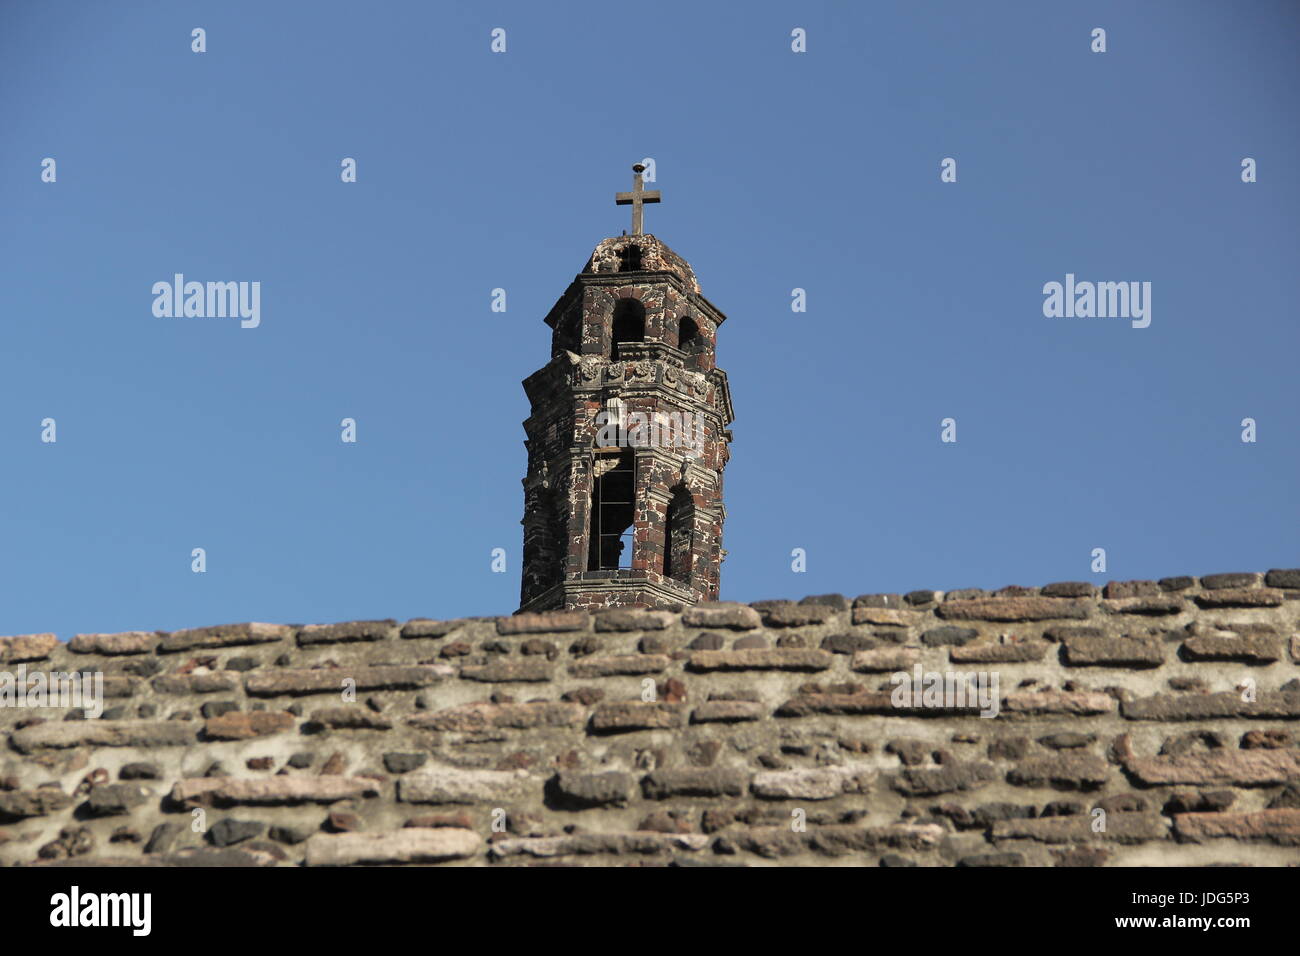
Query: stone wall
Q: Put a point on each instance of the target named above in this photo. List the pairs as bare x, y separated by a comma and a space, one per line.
725, 734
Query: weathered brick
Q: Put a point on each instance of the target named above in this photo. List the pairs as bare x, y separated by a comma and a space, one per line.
1074, 703
1019, 652
1245, 768
26, 647
1062, 771
949, 636
351, 717
347, 632
103, 733
1280, 826
837, 602
126, 642
419, 627
1118, 590
843, 643
510, 670
224, 635
1220, 582
246, 726
543, 622
637, 715
1015, 609
879, 600
727, 711
885, 616
408, 845
481, 716
777, 658
737, 617
463, 786
1068, 589
272, 791
1241, 597
205, 856
1283, 578
640, 843
1125, 828
885, 659
330, 680
797, 615
869, 702
609, 789
838, 840
947, 778
1250, 650
633, 619
1153, 604
819, 783
1267, 705
711, 782
217, 682
1113, 652
620, 665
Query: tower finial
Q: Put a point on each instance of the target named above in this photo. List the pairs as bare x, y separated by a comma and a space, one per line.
636, 197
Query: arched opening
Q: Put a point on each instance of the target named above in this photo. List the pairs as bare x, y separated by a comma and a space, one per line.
678, 532
688, 334
628, 325
629, 258
613, 486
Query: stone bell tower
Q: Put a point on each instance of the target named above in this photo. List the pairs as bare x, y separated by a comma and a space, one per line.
628, 435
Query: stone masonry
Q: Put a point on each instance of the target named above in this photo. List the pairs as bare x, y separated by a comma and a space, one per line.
723, 734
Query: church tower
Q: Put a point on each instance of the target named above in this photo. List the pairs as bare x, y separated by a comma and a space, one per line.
627, 437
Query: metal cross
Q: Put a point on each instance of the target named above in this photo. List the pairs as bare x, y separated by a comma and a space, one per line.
636, 197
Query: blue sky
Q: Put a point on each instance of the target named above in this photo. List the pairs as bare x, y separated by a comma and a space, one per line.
778, 170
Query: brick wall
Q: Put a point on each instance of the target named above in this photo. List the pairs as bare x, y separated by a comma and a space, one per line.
726, 734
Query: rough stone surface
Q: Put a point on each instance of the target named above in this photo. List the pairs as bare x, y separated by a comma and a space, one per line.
670, 736
241, 726
225, 635
408, 845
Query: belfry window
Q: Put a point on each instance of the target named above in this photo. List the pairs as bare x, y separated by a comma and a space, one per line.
628, 325
688, 334
629, 258
613, 484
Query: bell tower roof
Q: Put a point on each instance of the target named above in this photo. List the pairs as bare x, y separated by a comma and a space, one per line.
640, 253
